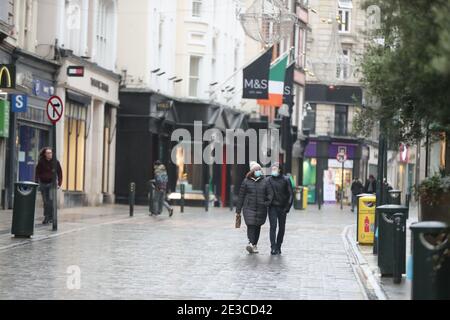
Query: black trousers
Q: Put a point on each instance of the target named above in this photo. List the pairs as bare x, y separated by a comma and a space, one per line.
277, 214
46, 191
253, 233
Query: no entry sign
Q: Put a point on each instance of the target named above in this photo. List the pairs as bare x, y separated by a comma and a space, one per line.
55, 109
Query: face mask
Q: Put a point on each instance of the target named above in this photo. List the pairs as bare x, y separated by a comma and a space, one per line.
275, 173
258, 173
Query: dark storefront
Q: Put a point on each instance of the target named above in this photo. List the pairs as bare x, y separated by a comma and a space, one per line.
29, 127
146, 121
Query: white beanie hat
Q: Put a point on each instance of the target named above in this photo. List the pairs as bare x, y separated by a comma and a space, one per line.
254, 165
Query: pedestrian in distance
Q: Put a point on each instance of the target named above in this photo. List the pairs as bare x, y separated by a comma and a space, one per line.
254, 200
44, 176
160, 189
371, 185
356, 188
282, 196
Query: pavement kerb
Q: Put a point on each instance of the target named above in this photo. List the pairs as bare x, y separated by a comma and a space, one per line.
360, 266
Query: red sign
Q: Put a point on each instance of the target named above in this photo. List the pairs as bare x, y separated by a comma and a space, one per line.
55, 109
75, 71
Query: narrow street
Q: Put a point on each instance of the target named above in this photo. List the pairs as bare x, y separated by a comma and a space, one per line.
193, 255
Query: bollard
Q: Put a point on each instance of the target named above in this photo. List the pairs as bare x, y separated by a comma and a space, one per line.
132, 197
319, 197
399, 250
182, 192
206, 197
231, 197
150, 196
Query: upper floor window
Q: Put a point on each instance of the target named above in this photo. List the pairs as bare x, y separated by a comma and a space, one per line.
345, 4
197, 8
104, 33
340, 120
344, 20
7, 11
343, 65
309, 120
194, 75
300, 46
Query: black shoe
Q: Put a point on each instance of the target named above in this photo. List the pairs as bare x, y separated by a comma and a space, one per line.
170, 212
278, 251
45, 221
273, 252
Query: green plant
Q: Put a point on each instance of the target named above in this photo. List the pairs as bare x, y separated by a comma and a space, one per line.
431, 189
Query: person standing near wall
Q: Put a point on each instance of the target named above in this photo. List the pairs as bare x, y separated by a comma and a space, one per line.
44, 176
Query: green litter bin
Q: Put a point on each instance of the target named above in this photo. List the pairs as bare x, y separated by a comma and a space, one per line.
23, 209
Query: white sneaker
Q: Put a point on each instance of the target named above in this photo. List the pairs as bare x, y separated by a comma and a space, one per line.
249, 248
255, 249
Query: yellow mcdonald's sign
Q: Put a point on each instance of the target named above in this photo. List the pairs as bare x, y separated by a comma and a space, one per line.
7, 76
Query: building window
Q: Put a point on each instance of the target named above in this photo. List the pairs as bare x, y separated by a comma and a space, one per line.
340, 120
7, 11
74, 146
300, 46
194, 72
344, 20
197, 8
345, 4
343, 65
309, 120
104, 37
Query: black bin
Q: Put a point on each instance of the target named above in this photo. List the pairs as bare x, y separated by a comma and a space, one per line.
385, 240
23, 209
431, 261
298, 198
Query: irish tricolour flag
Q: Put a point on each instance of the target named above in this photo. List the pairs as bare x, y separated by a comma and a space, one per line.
276, 83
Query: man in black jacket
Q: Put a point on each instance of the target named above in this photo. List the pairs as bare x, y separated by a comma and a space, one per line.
282, 196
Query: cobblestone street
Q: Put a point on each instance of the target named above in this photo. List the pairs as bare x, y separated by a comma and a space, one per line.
193, 255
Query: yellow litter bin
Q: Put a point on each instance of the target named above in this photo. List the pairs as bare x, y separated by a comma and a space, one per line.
305, 198
366, 220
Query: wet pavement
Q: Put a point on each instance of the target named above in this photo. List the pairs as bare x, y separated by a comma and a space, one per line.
101, 253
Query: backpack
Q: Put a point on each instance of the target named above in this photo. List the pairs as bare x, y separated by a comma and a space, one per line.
161, 180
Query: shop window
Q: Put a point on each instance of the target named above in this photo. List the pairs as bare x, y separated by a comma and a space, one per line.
340, 120
189, 174
74, 146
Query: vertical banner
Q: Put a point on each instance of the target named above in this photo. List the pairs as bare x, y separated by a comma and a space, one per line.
4, 119
288, 94
256, 77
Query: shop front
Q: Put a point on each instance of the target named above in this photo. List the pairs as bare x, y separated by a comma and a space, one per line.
323, 174
146, 122
86, 134
30, 130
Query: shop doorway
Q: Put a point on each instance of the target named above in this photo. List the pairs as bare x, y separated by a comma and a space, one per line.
30, 141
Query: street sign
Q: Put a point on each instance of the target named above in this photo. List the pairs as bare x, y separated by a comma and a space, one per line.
19, 103
341, 157
55, 109
75, 71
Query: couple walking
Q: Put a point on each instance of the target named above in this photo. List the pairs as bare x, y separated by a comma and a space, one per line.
259, 195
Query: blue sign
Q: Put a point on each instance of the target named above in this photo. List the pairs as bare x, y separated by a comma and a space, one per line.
43, 88
19, 103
